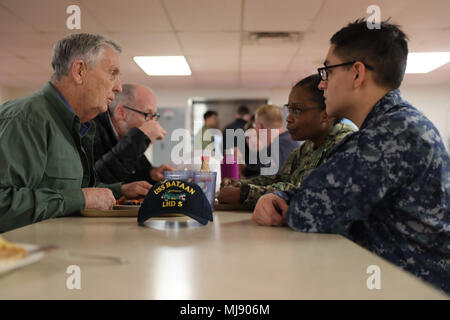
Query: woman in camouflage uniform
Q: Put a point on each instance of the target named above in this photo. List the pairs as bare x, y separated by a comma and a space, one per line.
307, 121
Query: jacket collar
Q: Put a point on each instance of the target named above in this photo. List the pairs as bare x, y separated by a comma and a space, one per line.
386, 103
63, 109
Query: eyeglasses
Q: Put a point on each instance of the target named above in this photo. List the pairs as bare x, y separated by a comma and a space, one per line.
323, 72
147, 115
297, 111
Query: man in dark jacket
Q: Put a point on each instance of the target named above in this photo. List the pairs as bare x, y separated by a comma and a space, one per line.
269, 120
242, 117
123, 134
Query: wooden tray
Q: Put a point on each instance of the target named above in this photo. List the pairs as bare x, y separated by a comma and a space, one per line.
120, 211
232, 207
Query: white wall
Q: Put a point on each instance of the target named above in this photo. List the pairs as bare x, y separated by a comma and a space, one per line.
174, 98
7, 93
433, 101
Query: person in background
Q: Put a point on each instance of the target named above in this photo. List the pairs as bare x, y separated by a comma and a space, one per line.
246, 162
269, 120
46, 139
387, 186
242, 117
250, 123
124, 133
201, 140
307, 121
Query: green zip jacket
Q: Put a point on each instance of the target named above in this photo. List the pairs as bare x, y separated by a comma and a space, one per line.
43, 161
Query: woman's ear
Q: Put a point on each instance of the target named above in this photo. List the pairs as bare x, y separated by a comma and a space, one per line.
324, 117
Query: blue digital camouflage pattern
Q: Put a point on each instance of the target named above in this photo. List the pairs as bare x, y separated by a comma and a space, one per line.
386, 187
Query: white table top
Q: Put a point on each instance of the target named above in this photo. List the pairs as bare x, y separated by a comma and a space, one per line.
175, 258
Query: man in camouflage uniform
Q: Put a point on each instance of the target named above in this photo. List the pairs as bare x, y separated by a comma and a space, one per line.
386, 187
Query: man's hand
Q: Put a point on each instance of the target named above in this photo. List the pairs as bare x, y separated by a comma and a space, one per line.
153, 130
157, 174
230, 182
230, 194
98, 198
136, 190
270, 210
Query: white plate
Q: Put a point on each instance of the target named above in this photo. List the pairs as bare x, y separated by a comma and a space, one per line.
18, 263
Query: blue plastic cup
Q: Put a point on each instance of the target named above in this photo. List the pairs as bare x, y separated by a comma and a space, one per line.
207, 182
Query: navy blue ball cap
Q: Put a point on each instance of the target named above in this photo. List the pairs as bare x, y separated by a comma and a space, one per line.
176, 196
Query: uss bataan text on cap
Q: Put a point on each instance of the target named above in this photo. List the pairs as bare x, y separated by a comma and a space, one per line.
176, 196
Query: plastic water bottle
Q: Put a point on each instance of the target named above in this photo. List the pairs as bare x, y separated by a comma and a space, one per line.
229, 166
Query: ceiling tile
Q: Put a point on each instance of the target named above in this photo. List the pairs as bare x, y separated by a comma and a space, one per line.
265, 50
335, 15
423, 40
308, 63
210, 43
205, 15
291, 78
161, 82
5, 53
275, 15
148, 44
28, 44
261, 79
213, 64
11, 23
27, 80
265, 63
213, 80
209, 32
129, 16
315, 42
13, 65
51, 16
430, 14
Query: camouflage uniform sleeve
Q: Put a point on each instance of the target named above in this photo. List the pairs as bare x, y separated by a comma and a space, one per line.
284, 174
261, 185
347, 187
255, 192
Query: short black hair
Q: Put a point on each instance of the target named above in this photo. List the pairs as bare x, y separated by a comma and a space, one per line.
209, 114
311, 83
243, 110
385, 49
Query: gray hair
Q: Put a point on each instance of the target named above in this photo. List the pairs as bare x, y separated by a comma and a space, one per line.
126, 96
84, 46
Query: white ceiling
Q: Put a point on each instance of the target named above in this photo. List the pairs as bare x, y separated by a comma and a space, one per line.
210, 34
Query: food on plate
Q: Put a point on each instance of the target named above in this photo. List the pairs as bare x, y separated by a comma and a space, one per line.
10, 251
131, 203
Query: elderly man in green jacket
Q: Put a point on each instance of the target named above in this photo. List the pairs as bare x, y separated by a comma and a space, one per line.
46, 139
